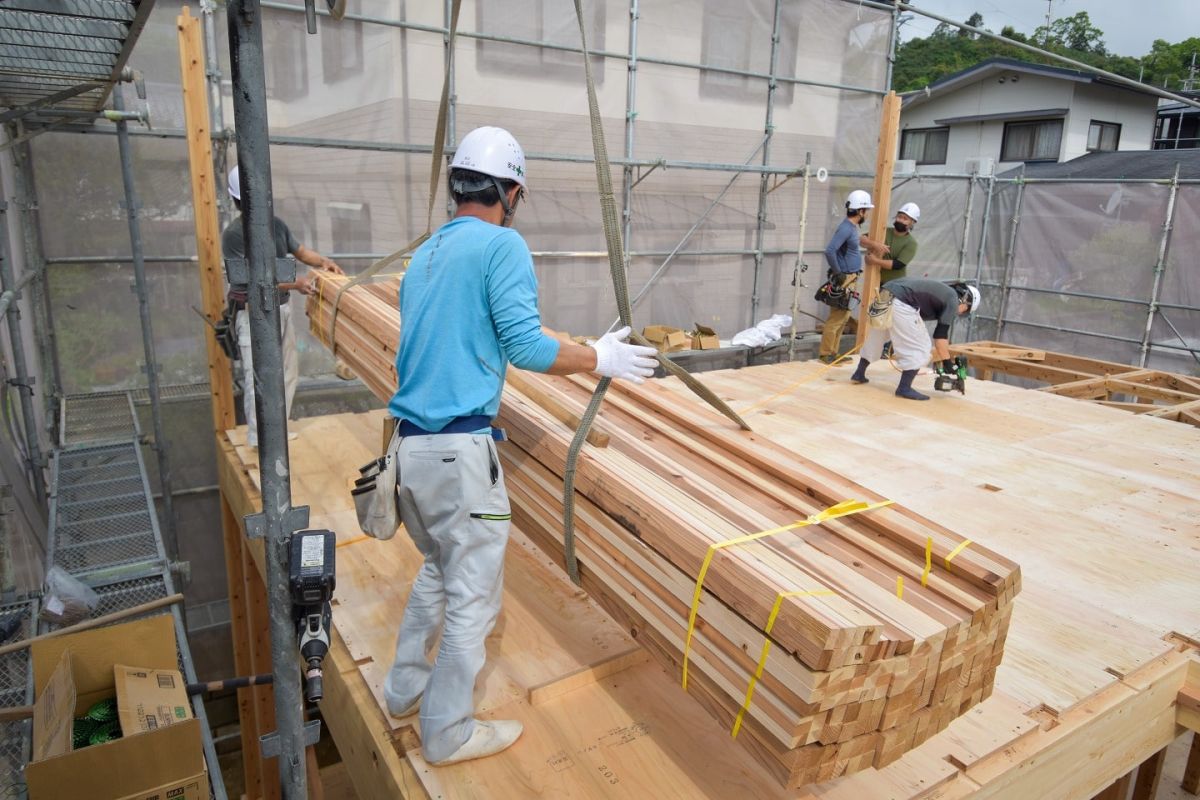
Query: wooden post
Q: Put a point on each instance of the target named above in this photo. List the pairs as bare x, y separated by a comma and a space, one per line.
1148, 776
1191, 772
880, 217
260, 660
204, 206
239, 625
1119, 790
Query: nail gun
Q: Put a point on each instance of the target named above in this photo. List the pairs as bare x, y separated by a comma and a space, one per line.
951, 374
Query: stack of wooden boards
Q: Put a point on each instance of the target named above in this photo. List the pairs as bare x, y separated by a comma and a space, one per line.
830, 647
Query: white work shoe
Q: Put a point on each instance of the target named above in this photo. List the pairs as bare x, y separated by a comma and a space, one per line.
487, 739
401, 713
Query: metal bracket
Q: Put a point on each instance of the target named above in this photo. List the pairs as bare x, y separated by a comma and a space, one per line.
237, 270
26, 383
269, 742
294, 519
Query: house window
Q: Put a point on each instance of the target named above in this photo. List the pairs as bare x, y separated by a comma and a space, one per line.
1103, 135
286, 60
735, 39
925, 145
341, 49
350, 227
1032, 141
548, 21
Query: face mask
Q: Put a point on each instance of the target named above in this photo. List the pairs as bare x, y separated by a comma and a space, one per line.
900, 227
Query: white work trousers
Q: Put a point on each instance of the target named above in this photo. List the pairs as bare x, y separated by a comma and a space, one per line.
454, 506
291, 368
909, 336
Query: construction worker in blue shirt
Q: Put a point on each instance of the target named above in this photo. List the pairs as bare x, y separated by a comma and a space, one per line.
845, 259
468, 308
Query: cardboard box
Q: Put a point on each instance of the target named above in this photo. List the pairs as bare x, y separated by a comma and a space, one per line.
149, 699
666, 338
71, 673
704, 338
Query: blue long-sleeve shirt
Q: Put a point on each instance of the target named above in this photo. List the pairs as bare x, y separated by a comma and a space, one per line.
843, 253
468, 307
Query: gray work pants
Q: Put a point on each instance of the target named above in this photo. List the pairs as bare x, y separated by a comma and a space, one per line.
454, 506
291, 367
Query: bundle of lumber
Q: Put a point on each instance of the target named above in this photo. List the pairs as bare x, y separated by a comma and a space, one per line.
829, 636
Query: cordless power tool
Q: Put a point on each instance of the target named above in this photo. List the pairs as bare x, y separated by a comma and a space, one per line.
311, 578
951, 375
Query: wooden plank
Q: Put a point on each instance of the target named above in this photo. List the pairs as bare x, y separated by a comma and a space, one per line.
584, 676
204, 210
880, 219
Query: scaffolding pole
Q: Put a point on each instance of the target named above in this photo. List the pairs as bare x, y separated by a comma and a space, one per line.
983, 236
966, 231
132, 211
768, 131
1160, 264
630, 115
1006, 281
23, 381
278, 519
40, 301
797, 281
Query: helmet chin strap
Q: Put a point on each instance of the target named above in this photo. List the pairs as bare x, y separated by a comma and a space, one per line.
509, 210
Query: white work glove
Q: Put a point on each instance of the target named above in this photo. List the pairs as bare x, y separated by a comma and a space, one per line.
616, 359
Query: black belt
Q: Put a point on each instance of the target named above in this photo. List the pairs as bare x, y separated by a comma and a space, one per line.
457, 425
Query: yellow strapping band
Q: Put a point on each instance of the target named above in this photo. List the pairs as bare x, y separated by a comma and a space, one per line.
842, 509
789, 389
928, 560
766, 648
900, 586
956, 551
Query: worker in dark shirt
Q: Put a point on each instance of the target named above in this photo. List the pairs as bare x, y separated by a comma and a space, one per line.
914, 302
233, 245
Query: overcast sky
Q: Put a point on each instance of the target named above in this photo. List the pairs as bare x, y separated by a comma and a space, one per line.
1129, 28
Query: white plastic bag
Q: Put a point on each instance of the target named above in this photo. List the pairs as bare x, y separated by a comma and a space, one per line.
67, 600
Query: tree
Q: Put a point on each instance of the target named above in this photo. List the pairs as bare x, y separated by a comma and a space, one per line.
1073, 33
975, 20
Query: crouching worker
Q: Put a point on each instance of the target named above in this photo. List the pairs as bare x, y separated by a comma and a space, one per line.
468, 308
900, 313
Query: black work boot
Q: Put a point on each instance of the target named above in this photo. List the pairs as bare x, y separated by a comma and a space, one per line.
905, 388
860, 373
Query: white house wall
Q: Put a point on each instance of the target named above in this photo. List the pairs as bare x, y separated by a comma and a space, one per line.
1020, 92
1134, 112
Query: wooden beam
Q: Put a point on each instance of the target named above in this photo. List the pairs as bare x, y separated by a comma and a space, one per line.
1189, 407
885, 162
1020, 353
1087, 388
204, 207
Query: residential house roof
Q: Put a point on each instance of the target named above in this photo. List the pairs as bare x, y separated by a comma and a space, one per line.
1154, 164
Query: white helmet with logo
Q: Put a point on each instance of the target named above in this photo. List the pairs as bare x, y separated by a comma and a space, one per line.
859, 199
491, 151
911, 210
235, 185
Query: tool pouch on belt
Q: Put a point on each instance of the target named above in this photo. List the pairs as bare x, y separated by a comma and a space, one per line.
374, 493
879, 315
836, 292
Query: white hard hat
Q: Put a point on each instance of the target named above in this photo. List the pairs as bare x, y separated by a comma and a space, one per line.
911, 210
235, 185
971, 292
491, 151
859, 199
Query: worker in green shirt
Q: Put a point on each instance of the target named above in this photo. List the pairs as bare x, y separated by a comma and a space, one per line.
900, 243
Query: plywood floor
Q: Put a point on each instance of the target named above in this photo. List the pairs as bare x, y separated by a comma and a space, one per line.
1098, 506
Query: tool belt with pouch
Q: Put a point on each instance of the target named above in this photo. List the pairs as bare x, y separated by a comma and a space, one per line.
375, 500
837, 290
879, 314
